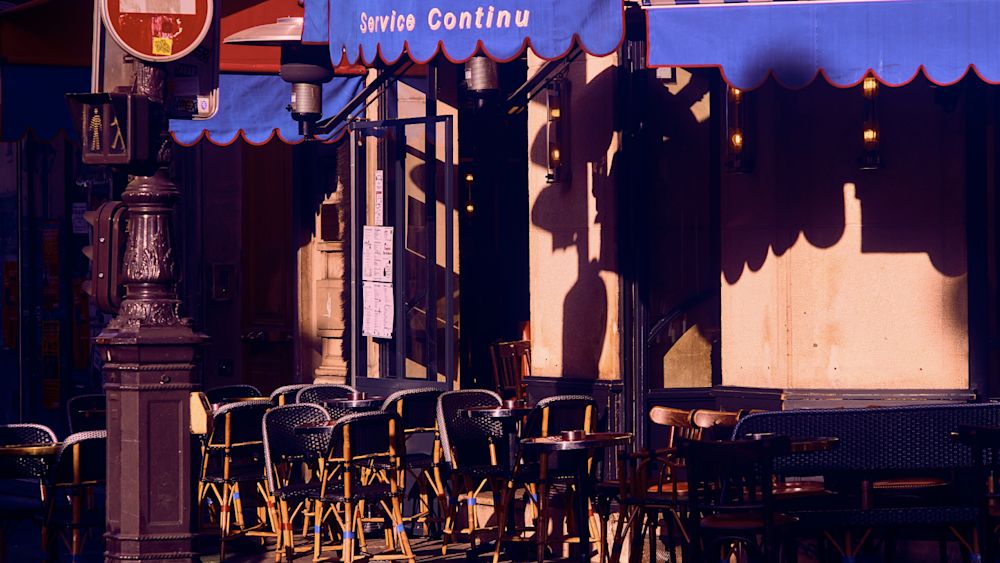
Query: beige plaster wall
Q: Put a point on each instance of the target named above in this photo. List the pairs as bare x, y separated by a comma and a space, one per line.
573, 276
838, 278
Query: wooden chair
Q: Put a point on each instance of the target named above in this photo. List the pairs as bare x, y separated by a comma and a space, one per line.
285, 394
730, 500
651, 485
511, 364
714, 425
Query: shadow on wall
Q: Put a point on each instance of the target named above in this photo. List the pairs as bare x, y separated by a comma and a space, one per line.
808, 143
563, 210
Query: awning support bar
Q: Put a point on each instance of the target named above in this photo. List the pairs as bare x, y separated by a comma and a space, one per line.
538, 81
381, 79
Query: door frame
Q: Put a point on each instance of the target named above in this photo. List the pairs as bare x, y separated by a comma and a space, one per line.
358, 131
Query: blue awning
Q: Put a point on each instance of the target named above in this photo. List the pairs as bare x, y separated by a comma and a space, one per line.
33, 98
252, 106
365, 29
843, 40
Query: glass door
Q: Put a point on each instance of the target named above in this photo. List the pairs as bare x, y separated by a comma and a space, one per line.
403, 290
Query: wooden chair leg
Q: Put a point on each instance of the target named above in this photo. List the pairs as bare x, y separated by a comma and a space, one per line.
542, 523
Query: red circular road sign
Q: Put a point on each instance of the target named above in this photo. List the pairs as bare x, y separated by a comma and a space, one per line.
158, 30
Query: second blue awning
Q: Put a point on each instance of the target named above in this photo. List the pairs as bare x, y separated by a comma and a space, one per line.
843, 40
252, 107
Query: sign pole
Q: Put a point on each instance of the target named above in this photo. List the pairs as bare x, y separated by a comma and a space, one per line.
149, 353
149, 350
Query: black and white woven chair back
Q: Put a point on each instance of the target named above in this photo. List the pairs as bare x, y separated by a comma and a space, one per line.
230, 392
419, 407
93, 456
318, 394
245, 422
287, 392
469, 437
20, 435
283, 443
370, 434
566, 412
87, 412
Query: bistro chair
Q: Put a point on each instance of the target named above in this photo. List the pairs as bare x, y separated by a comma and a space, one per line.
228, 393
539, 474
26, 469
511, 364
290, 459
320, 393
730, 501
475, 452
87, 412
417, 409
79, 468
363, 469
285, 394
652, 487
233, 453
714, 425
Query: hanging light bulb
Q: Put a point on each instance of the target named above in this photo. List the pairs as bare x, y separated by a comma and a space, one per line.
738, 160
870, 133
556, 100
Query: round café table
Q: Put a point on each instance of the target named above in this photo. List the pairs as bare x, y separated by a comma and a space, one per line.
509, 418
367, 404
31, 450
583, 479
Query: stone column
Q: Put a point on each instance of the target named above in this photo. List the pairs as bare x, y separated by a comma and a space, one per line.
331, 292
149, 355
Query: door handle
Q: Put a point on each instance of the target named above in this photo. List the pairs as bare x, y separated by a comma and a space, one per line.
253, 336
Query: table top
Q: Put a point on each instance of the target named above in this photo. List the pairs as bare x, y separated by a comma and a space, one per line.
31, 450
590, 441
497, 412
367, 402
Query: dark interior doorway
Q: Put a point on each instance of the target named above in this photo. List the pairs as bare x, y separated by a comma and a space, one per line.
493, 235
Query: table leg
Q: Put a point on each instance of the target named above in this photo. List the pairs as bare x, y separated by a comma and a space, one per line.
582, 516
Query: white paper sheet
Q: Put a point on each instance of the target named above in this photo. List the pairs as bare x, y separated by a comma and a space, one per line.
379, 309
376, 254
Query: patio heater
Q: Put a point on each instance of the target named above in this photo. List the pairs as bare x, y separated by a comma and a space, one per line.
305, 67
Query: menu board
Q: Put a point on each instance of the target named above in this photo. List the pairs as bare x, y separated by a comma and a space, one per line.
378, 311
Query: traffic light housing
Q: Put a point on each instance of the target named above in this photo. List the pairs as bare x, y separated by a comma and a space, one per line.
106, 250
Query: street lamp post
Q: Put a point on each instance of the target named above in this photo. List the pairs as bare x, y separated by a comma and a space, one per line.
149, 358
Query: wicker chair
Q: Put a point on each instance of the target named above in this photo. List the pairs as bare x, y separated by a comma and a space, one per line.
228, 393
285, 453
285, 394
87, 412
537, 475
233, 454
80, 466
28, 469
319, 394
472, 449
364, 468
417, 409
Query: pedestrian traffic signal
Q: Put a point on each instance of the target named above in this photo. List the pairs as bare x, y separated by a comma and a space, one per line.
106, 250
